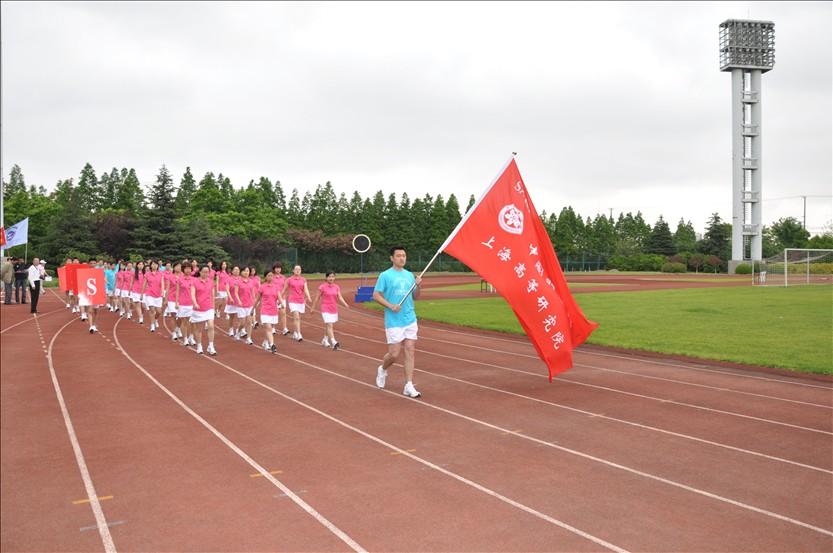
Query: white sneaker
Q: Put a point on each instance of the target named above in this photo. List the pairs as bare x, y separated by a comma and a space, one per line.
325, 342
211, 350
231, 333
274, 331
199, 349
266, 345
153, 327
381, 375
299, 338
68, 306
285, 331
410, 391
335, 346
248, 342
191, 341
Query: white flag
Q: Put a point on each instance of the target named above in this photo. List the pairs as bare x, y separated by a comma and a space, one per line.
17, 234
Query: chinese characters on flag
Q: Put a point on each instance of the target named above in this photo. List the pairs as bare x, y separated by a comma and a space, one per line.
503, 239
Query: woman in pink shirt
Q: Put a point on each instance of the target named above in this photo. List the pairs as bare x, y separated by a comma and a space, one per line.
184, 307
202, 297
244, 295
152, 292
330, 295
280, 280
136, 291
231, 305
126, 282
296, 285
269, 297
170, 274
222, 275
255, 310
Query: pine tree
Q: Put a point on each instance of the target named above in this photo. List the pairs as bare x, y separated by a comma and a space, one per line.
685, 239
71, 233
156, 234
717, 240
186, 191
88, 190
16, 183
661, 242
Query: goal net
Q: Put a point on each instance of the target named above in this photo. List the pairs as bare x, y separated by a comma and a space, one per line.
796, 266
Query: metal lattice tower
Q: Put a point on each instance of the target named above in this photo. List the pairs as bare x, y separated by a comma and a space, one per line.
747, 50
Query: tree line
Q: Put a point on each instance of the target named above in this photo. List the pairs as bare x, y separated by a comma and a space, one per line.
114, 216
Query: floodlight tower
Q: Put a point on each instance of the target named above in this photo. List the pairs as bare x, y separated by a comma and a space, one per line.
747, 50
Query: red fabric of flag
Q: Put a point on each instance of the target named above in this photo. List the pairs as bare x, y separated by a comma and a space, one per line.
2, 237
503, 239
90, 287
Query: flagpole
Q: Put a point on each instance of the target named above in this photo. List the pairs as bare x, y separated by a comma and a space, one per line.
460, 224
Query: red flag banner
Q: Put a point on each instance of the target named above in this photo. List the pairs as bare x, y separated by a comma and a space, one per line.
2, 237
503, 239
62, 279
91, 287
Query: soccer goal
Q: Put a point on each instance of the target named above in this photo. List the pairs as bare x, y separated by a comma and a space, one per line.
796, 266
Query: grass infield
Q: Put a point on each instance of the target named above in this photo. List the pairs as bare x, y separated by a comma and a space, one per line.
787, 328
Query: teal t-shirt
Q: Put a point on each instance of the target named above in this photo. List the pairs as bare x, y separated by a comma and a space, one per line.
394, 285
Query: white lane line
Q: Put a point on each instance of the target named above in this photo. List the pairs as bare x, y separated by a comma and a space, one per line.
418, 459
98, 512
521, 338
537, 441
242, 454
577, 383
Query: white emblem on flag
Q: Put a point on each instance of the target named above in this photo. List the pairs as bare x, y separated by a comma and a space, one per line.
511, 219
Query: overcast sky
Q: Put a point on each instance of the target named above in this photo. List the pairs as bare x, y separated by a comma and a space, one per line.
612, 107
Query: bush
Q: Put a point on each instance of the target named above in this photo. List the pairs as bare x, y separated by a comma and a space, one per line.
673, 268
743, 269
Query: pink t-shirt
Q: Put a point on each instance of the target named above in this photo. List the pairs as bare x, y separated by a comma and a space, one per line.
203, 292
126, 279
153, 288
269, 299
222, 276
329, 297
119, 279
138, 281
170, 278
185, 280
231, 281
244, 290
296, 289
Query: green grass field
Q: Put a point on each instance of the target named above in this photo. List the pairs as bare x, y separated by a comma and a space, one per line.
788, 328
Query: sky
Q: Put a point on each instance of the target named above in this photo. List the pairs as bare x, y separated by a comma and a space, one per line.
611, 107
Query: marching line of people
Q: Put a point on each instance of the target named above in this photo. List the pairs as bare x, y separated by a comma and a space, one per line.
195, 295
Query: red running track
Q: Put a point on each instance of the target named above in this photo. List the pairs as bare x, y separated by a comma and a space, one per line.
127, 441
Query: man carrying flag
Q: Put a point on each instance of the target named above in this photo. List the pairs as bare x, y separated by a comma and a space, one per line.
503, 237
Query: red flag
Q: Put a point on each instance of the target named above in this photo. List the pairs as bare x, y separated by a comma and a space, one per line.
62, 279
2, 237
91, 287
503, 239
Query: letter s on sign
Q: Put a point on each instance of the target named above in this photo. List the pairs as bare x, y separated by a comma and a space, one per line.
91, 288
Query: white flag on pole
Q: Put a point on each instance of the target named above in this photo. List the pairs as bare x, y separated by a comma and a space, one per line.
17, 234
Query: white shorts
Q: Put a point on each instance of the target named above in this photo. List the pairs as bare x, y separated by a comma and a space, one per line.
171, 307
222, 295
110, 293
269, 319
202, 316
70, 292
125, 293
231, 309
135, 296
150, 301
330, 317
184, 311
397, 334
297, 307
243, 312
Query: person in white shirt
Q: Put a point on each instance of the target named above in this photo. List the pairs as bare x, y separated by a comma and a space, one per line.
34, 284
